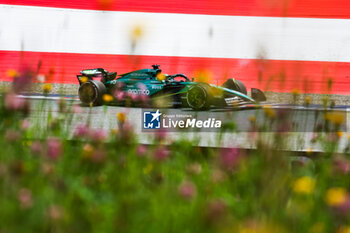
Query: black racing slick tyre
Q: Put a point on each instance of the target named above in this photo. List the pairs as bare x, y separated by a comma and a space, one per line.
91, 92
235, 85
198, 97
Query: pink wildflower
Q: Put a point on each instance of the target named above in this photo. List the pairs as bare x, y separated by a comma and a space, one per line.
25, 198
161, 153
15, 103
98, 135
54, 148
341, 165
25, 124
36, 147
141, 150
187, 190
229, 158
81, 131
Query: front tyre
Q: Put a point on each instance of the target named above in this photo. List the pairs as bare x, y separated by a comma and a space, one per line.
198, 97
91, 92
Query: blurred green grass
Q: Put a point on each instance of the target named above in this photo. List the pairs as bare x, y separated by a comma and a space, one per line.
108, 182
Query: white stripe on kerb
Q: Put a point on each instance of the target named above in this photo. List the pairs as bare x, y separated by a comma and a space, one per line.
44, 29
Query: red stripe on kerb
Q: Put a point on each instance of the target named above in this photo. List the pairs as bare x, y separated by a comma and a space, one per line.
269, 75
272, 8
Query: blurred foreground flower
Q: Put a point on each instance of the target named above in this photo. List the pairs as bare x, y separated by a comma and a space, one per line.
194, 169
98, 135
215, 210
105, 4
161, 153
160, 135
269, 112
121, 117
54, 148
15, 103
136, 33
304, 185
141, 150
81, 131
87, 151
229, 158
341, 165
336, 196
307, 100
336, 118
187, 190
84, 79
25, 198
25, 124
107, 98
55, 212
12, 73
47, 87
36, 147
203, 76
344, 229
98, 156
317, 228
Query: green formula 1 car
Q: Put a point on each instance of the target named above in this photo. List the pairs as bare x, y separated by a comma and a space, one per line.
151, 86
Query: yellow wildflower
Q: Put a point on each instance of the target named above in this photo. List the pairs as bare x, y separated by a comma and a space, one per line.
336, 196
336, 118
340, 134
136, 32
295, 91
269, 111
309, 151
304, 185
47, 87
12, 73
160, 77
146, 170
307, 100
317, 228
115, 131
203, 75
84, 79
121, 117
87, 151
252, 119
107, 98
344, 229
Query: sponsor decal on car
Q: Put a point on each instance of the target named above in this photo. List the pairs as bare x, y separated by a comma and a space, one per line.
139, 91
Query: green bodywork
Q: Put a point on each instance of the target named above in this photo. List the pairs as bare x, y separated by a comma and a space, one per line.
145, 81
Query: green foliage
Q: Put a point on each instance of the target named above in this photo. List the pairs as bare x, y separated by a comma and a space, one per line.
110, 183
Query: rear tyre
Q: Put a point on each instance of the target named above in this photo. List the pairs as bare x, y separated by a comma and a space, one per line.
235, 85
198, 97
91, 92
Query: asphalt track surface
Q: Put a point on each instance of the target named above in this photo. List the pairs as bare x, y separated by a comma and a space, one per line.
297, 124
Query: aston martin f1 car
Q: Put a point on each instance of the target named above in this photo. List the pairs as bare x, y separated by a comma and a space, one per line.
97, 83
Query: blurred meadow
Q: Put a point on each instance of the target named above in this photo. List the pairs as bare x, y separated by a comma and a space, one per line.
56, 176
